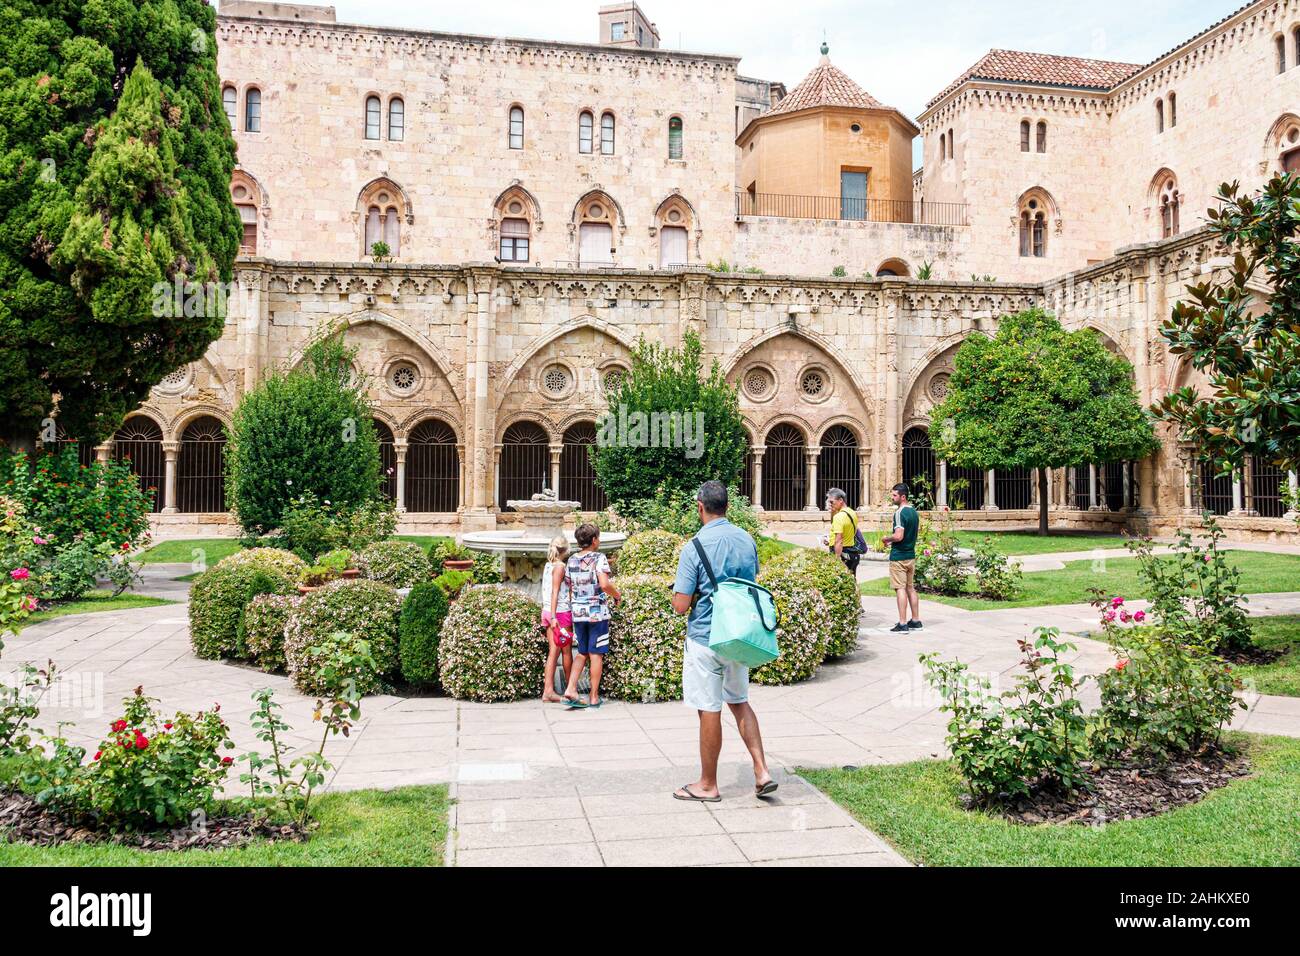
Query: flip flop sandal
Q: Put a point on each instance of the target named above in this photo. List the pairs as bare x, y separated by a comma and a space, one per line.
692, 795
574, 704
765, 789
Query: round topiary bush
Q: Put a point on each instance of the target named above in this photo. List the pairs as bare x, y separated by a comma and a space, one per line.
399, 564
362, 609
261, 630
275, 559
827, 574
220, 595
650, 552
492, 645
805, 627
418, 629
646, 642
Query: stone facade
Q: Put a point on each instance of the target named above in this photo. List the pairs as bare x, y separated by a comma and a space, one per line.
833, 373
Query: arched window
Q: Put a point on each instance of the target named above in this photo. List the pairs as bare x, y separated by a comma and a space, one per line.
1160, 116
230, 103
1295, 46
1042, 136
525, 463
596, 217
253, 110
383, 207
201, 467
952, 143
1024, 136
1279, 44
585, 125
515, 215
396, 119
577, 476
675, 138
139, 442
1169, 200
838, 466
673, 219
432, 468
373, 117
607, 134
918, 461
943, 146
247, 199
785, 472
1033, 228
1012, 488
516, 127
514, 240
893, 267
1266, 484
1173, 109
387, 460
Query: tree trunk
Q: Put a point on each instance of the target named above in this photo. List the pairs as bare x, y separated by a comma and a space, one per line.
1042, 502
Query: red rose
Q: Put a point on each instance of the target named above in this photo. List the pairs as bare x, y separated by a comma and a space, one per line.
167, 726
119, 726
98, 754
141, 742
1121, 665
226, 761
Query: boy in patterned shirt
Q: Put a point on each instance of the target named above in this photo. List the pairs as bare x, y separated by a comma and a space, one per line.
590, 594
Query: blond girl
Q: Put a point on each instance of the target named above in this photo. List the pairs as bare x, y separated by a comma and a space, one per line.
556, 614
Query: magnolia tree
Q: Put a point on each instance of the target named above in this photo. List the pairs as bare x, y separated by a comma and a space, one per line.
1037, 396
1245, 341
115, 180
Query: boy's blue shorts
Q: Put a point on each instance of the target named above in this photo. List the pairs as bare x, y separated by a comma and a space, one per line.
592, 636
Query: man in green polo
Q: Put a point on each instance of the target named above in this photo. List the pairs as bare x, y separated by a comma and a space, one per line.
902, 560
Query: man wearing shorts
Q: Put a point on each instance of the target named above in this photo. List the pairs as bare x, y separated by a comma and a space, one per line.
590, 591
902, 560
709, 681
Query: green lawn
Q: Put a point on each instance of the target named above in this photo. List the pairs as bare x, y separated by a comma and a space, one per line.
181, 551
1250, 822
1281, 633
403, 827
1261, 573
1027, 542
94, 601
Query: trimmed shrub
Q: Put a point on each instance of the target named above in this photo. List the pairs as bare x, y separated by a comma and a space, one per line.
418, 629
271, 559
827, 574
492, 645
220, 595
650, 552
487, 568
805, 629
399, 564
261, 629
646, 642
359, 609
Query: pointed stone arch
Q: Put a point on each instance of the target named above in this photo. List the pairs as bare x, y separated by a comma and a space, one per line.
526, 354
383, 207
368, 316
734, 361
1283, 138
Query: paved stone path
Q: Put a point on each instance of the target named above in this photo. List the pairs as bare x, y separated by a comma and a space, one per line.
538, 784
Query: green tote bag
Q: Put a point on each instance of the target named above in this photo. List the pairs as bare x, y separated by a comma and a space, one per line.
744, 618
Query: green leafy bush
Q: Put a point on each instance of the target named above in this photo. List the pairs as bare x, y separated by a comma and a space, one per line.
261, 629
769, 549
997, 577
399, 564
311, 527
805, 627
646, 642
453, 582
492, 645
220, 595
340, 613
938, 569
650, 552
1033, 734
148, 772
418, 631
305, 431
446, 549
487, 568
828, 575
673, 510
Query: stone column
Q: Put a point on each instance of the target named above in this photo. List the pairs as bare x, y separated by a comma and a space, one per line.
1293, 484
1238, 506
1189, 476
460, 464
556, 452
480, 325
864, 475
1093, 504
1033, 488
941, 493
758, 451
1147, 485
399, 454
811, 454
104, 452
495, 473
1128, 487
990, 491
171, 450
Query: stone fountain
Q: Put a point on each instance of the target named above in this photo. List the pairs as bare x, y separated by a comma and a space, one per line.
524, 549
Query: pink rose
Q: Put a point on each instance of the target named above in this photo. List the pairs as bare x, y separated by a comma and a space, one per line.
20, 574
1124, 616
29, 602
1108, 616
37, 539
1116, 601
1139, 616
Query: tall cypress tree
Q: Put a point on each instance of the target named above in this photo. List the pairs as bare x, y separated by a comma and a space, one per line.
115, 164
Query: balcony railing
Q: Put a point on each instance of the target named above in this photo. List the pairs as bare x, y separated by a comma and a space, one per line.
851, 209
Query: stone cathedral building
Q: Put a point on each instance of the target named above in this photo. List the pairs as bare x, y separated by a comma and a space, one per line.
545, 204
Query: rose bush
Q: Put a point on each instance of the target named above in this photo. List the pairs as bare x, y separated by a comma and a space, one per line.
492, 645
805, 627
646, 642
343, 610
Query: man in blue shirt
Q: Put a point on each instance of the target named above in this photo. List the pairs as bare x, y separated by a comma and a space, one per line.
709, 681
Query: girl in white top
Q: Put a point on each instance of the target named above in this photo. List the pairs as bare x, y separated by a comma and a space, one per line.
557, 616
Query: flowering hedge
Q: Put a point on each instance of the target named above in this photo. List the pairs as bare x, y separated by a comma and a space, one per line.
261, 629
646, 642
400, 564
492, 645
650, 552
805, 631
340, 611
221, 593
827, 574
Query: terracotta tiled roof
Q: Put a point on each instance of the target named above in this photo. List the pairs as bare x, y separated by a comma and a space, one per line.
826, 85
1015, 66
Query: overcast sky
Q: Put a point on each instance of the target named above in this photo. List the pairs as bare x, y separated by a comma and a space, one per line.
901, 53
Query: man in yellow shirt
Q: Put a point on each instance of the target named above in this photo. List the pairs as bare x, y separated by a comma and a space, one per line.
844, 526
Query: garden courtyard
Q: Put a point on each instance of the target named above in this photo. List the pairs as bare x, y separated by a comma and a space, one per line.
522, 783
